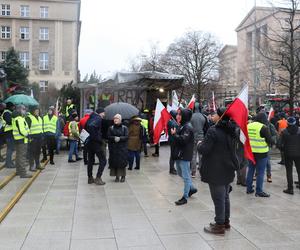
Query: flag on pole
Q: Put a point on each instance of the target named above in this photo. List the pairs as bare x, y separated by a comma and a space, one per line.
31, 93
238, 111
213, 102
271, 113
161, 118
175, 102
191, 104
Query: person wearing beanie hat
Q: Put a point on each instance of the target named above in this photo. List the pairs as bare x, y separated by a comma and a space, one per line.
290, 146
35, 124
73, 138
49, 129
94, 144
117, 146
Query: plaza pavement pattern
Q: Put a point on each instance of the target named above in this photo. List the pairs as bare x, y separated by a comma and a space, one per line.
61, 211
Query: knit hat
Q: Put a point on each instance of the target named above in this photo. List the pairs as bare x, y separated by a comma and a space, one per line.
291, 120
100, 110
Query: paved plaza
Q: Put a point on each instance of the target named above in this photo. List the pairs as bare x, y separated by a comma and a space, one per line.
61, 211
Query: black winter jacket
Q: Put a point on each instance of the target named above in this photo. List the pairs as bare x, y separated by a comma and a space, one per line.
290, 141
93, 127
184, 138
219, 159
118, 152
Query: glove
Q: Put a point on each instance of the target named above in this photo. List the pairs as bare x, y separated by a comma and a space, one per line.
117, 139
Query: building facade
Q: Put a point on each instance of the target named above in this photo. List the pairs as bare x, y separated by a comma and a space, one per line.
46, 35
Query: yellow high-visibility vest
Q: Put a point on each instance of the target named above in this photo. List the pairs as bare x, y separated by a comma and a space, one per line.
144, 123
70, 131
258, 143
23, 126
36, 125
68, 108
50, 125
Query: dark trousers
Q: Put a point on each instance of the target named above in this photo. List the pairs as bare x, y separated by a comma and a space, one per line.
220, 197
171, 160
34, 149
289, 170
21, 158
85, 154
51, 145
156, 146
95, 148
131, 156
145, 148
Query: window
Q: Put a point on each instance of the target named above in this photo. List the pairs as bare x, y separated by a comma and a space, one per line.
44, 12
43, 86
5, 9
24, 59
3, 56
44, 61
44, 33
24, 11
24, 33
5, 32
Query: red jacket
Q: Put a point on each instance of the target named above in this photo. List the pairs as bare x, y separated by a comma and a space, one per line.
83, 121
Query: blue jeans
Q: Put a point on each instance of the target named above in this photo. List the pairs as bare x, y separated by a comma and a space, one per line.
58, 142
260, 168
9, 151
184, 171
131, 156
269, 166
73, 149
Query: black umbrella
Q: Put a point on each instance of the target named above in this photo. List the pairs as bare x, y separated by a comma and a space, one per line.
126, 110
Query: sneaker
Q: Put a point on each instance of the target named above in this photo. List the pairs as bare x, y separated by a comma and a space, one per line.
226, 224
70, 161
269, 179
180, 202
122, 179
215, 229
194, 174
98, 181
91, 180
193, 191
288, 191
262, 194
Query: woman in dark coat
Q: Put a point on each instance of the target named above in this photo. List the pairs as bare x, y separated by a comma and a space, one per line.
219, 162
117, 145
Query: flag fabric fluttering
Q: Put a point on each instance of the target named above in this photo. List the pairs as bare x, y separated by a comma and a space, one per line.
238, 111
214, 107
175, 102
271, 113
161, 118
191, 104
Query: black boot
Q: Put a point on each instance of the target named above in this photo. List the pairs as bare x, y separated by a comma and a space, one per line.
180, 202
122, 179
173, 171
117, 179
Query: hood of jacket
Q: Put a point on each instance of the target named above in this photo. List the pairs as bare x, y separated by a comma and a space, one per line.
173, 113
186, 115
262, 118
292, 129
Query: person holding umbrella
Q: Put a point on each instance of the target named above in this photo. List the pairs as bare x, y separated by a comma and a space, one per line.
117, 145
49, 129
35, 124
20, 134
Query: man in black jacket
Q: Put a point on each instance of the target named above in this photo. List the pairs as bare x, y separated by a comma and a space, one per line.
94, 146
172, 124
183, 152
290, 145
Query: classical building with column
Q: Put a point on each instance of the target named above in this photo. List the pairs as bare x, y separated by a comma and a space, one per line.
46, 35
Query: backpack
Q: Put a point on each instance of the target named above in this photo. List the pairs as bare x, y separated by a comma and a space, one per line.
66, 131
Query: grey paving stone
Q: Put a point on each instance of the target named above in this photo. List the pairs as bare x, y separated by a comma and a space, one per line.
99, 244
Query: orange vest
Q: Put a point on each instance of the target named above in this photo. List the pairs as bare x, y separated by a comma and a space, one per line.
282, 124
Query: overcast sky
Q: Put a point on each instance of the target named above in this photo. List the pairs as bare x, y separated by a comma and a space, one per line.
115, 31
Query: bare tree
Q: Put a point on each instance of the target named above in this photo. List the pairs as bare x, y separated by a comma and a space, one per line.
280, 50
194, 55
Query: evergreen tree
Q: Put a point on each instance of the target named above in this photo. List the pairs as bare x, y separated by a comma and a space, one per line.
14, 69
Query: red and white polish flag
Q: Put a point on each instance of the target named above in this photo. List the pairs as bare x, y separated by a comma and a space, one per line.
271, 113
191, 104
238, 111
161, 118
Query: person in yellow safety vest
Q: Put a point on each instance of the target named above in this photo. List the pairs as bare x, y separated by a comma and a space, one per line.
260, 138
70, 106
92, 101
145, 125
8, 134
20, 134
49, 129
73, 138
35, 124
